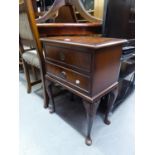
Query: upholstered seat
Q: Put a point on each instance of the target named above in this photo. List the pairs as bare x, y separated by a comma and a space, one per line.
31, 58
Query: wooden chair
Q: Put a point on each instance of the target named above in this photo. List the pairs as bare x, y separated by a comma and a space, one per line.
28, 35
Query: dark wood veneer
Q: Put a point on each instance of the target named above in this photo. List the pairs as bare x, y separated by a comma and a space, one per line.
75, 58
60, 29
69, 76
102, 60
106, 67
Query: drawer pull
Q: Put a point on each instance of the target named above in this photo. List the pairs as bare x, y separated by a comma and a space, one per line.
62, 56
63, 75
77, 81
67, 39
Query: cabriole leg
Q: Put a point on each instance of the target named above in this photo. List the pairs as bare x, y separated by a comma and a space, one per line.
48, 85
91, 109
111, 100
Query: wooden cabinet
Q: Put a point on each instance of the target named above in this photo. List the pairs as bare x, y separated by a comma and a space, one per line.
87, 66
93, 59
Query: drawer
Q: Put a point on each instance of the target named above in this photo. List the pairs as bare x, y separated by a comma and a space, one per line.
76, 80
72, 58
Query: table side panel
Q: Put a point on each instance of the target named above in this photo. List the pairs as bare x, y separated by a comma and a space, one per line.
106, 68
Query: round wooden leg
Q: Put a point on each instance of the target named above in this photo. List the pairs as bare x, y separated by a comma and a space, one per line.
91, 109
107, 122
46, 100
88, 141
45, 106
51, 109
28, 90
72, 97
111, 100
48, 85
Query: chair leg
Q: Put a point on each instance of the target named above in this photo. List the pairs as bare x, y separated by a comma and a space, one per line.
34, 73
112, 96
27, 76
45, 95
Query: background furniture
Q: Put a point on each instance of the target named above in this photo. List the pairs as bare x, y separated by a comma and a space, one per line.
29, 34
28, 53
20, 63
119, 17
93, 7
53, 11
63, 29
64, 14
119, 22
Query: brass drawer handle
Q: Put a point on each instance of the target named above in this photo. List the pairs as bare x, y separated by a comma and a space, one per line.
62, 56
63, 75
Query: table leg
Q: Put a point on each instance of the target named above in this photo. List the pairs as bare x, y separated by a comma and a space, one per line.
111, 100
50, 94
72, 97
91, 109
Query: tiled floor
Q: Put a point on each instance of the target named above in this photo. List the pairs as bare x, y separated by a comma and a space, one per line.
62, 133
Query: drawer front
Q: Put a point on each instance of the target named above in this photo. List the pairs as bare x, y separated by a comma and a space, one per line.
73, 78
70, 57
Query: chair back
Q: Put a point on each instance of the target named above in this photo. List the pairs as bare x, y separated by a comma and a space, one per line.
25, 33
27, 13
28, 31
